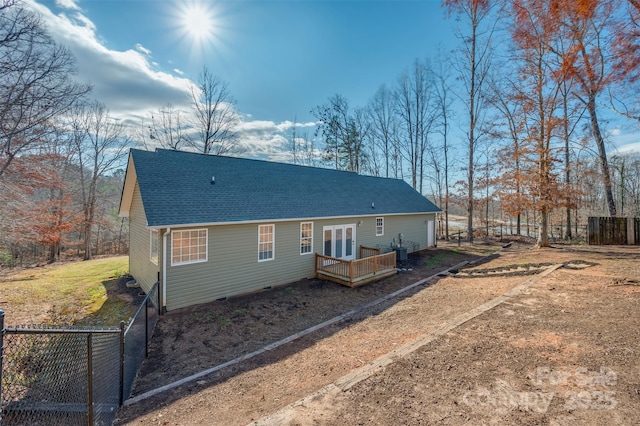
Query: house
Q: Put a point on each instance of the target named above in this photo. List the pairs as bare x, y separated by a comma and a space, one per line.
208, 227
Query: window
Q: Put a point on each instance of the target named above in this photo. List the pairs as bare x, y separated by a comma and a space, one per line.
154, 246
306, 237
265, 242
188, 246
379, 226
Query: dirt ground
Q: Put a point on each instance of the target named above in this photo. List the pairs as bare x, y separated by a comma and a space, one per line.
564, 350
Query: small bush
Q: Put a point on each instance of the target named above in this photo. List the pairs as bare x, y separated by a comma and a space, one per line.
119, 273
6, 258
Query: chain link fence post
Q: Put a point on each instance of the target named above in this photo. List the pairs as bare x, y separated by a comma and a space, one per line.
90, 379
1, 356
146, 327
121, 393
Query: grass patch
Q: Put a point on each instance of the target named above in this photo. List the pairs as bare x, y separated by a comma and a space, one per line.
224, 321
433, 261
73, 290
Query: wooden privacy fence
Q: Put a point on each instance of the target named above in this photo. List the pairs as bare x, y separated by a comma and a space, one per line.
356, 272
614, 231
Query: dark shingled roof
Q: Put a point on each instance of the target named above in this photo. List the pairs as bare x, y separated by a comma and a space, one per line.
176, 189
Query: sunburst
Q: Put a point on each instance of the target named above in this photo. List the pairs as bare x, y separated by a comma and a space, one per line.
197, 24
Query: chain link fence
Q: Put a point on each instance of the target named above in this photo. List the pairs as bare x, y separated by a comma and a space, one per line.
53, 375
136, 339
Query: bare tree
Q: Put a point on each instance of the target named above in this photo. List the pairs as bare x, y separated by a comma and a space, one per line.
344, 133
215, 118
302, 147
505, 97
166, 128
100, 145
383, 124
473, 65
540, 96
293, 143
443, 107
414, 97
54, 211
37, 82
572, 114
585, 61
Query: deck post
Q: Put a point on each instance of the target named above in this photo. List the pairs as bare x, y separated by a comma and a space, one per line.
315, 267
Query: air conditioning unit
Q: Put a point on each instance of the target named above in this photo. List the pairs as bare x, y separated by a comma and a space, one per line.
401, 254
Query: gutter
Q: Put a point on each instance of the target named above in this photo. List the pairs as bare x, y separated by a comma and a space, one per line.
164, 270
293, 219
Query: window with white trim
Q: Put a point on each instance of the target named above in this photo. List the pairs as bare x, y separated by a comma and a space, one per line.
306, 237
379, 226
188, 246
153, 244
266, 242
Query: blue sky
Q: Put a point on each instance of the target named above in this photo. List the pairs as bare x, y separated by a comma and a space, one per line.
281, 58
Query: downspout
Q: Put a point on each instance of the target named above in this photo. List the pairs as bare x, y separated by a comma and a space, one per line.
164, 269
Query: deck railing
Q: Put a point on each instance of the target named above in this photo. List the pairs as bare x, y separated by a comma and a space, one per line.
355, 272
368, 252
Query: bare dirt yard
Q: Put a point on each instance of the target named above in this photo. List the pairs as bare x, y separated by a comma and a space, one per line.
562, 348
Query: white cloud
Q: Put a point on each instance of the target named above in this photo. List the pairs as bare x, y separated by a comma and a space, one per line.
266, 139
630, 147
67, 4
624, 142
131, 85
142, 49
124, 81
262, 126
268, 147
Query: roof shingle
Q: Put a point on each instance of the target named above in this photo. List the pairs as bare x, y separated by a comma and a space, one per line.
176, 190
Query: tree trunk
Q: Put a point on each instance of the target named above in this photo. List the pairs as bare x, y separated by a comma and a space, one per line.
52, 252
543, 229
86, 244
602, 154
472, 126
446, 190
567, 160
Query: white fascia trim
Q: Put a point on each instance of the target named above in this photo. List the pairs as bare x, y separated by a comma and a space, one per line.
304, 219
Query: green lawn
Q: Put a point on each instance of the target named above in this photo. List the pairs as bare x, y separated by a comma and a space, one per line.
72, 292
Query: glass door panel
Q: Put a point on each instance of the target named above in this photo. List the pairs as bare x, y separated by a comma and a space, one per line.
348, 252
339, 243
328, 242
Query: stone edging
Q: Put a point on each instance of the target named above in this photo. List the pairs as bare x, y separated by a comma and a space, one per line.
374, 367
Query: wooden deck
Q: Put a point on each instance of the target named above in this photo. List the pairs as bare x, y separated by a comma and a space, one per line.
353, 273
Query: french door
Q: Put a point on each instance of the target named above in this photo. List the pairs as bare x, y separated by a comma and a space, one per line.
340, 241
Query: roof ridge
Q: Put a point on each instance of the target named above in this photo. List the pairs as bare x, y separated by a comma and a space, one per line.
263, 161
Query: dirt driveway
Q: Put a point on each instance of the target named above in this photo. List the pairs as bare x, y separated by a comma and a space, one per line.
564, 350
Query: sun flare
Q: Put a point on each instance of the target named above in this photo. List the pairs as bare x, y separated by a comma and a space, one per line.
197, 24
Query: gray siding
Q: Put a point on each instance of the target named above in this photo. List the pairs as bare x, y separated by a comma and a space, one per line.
140, 265
232, 267
413, 228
